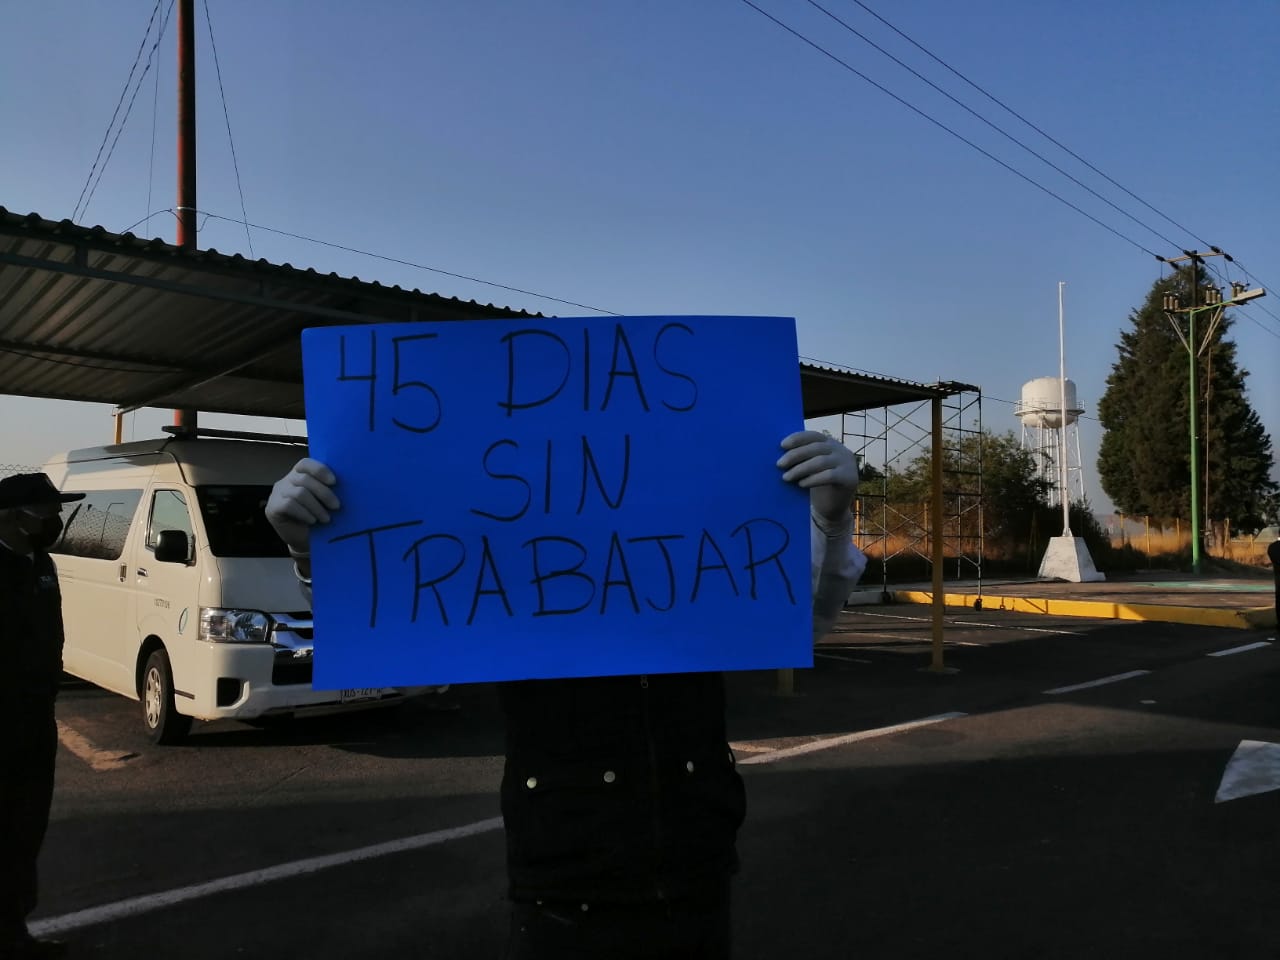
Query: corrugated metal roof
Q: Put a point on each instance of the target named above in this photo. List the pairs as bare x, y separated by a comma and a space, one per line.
828, 389
86, 314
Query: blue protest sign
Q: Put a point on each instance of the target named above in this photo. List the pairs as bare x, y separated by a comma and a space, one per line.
561, 497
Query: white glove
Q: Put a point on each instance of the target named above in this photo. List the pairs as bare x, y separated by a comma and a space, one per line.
299, 500
826, 468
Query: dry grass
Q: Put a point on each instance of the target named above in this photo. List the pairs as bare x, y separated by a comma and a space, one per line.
1173, 541
905, 551
1252, 553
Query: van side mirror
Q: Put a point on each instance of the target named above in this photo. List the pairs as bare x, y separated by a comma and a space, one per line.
172, 546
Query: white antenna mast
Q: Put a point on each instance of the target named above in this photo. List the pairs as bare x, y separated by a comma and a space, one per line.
1067, 557
1062, 420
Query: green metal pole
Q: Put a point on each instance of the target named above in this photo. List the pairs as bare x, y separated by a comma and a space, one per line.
1195, 458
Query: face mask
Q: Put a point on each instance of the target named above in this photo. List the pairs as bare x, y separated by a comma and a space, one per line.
42, 532
50, 531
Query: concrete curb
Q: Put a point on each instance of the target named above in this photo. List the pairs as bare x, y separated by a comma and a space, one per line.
1257, 618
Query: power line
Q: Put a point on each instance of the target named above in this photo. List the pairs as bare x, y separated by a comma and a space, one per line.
1004, 133
1262, 326
416, 266
996, 100
120, 129
153, 213
155, 104
994, 126
1211, 267
218, 69
128, 82
938, 123
1015, 403
1260, 282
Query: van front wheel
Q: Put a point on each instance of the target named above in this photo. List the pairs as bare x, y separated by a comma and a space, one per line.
163, 722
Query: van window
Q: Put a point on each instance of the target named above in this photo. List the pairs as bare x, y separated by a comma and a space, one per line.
99, 524
168, 512
235, 521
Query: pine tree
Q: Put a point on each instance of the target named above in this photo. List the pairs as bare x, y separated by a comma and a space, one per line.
1144, 460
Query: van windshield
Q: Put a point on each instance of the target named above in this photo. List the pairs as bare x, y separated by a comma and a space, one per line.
235, 521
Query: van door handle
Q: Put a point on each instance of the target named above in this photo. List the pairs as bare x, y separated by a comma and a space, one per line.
142, 571
124, 571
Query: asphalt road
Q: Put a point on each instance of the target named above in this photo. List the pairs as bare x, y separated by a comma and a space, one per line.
893, 812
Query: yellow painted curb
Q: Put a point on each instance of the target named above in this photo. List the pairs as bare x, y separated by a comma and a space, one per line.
1258, 618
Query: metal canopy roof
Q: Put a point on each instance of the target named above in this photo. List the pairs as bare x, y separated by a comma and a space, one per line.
86, 314
830, 390
90, 315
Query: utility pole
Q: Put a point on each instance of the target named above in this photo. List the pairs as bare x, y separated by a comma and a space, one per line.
186, 418
1216, 304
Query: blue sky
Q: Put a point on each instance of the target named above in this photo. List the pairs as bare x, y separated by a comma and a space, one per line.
688, 157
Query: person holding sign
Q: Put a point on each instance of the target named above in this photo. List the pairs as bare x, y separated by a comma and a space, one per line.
620, 796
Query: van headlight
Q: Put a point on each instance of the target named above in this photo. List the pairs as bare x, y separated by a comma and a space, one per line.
234, 626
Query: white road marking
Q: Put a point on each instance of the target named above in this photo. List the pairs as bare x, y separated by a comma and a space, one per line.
97, 759
837, 656
1011, 626
903, 639
1098, 683
135, 906
1253, 768
839, 741
971, 623
893, 616
864, 634
1248, 646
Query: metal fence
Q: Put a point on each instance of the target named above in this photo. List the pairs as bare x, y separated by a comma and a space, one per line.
8, 469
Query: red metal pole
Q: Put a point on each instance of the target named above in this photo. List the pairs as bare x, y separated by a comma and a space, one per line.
186, 149
186, 124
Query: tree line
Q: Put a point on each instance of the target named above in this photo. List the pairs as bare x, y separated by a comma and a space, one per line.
1143, 463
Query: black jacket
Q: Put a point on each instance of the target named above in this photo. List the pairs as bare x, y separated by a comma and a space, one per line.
30, 626
619, 788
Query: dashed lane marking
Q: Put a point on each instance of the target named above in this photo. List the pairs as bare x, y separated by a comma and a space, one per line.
1098, 683
838, 741
1244, 649
95, 757
135, 906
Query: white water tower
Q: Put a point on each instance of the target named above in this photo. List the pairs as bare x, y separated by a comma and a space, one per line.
1050, 416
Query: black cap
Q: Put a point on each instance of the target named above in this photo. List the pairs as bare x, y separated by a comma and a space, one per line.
32, 489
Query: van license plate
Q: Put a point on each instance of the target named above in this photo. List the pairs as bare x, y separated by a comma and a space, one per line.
361, 693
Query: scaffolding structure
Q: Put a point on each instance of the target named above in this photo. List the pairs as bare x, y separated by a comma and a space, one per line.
888, 441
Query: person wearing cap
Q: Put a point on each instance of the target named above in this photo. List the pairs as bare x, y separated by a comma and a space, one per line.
620, 796
31, 647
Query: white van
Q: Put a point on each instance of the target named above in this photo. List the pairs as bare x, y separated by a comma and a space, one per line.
175, 589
